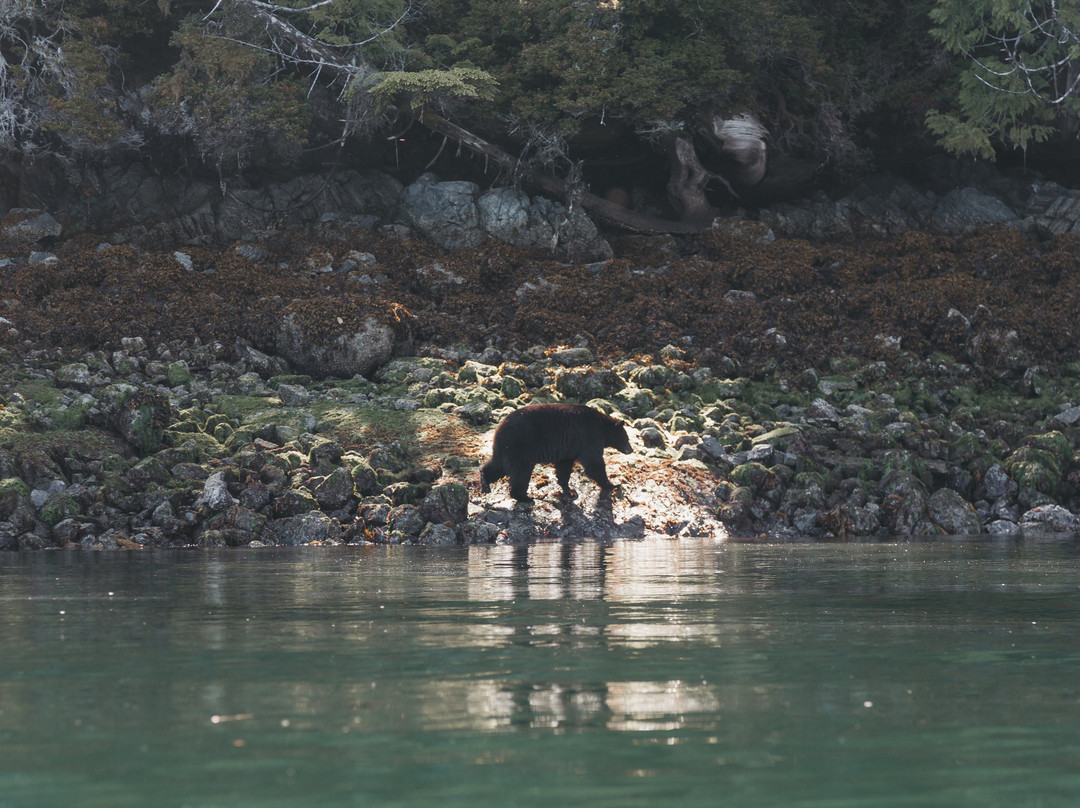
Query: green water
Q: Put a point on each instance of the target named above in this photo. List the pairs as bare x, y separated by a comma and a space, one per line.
653, 673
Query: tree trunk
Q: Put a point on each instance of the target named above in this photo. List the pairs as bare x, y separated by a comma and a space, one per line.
686, 185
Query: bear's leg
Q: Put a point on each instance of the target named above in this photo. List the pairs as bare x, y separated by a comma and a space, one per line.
595, 470
562, 474
519, 475
491, 471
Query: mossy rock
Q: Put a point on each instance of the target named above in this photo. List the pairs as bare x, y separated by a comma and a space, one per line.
754, 476
1034, 469
904, 461
58, 507
178, 373
1055, 443
433, 398
405, 493
778, 438
634, 401
67, 417
965, 448
512, 387
13, 491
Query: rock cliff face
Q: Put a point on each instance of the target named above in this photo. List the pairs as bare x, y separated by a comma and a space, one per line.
134, 204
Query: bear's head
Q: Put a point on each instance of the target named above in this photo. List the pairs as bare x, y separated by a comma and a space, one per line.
617, 437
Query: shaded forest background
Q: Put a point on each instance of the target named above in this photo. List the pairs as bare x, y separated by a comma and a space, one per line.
707, 103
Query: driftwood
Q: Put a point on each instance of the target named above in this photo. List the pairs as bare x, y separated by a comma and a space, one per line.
609, 211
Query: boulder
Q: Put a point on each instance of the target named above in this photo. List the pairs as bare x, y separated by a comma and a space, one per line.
344, 355
965, 209
1050, 518
445, 212
29, 226
538, 223
952, 513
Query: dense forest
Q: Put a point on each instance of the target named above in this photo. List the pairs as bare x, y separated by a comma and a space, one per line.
710, 100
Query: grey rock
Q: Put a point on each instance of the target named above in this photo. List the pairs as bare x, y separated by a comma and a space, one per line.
998, 483
76, 374
1044, 519
445, 212
358, 353
1068, 416
652, 438
1003, 527
446, 503
538, 223
822, 412
29, 225
304, 529
965, 209
439, 535
952, 513
293, 395
215, 495
39, 257
334, 490
405, 519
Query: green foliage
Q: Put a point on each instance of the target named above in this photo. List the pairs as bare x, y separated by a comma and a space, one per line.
559, 62
1018, 81
421, 87
227, 95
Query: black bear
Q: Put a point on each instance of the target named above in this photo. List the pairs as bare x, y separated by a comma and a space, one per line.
559, 434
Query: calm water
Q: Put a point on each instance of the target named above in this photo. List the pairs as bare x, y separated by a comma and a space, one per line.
653, 673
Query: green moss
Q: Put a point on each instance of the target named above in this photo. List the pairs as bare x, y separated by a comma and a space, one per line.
245, 408
58, 507
754, 476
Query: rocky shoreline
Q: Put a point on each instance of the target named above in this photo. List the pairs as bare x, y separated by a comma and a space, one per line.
342, 385
179, 447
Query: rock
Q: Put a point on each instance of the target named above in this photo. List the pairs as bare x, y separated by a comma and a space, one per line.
344, 355
334, 490
178, 373
439, 535
952, 513
58, 507
1040, 462
305, 528
293, 503
572, 357
138, 416
28, 226
76, 375
456, 216
445, 212
965, 209
215, 495
293, 395
1003, 527
905, 502
1045, 519
823, 413
538, 223
405, 520
446, 503
998, 483
14, 495
1069, 416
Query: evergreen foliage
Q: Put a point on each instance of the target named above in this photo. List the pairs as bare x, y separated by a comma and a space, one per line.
248, 82
1020, 82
